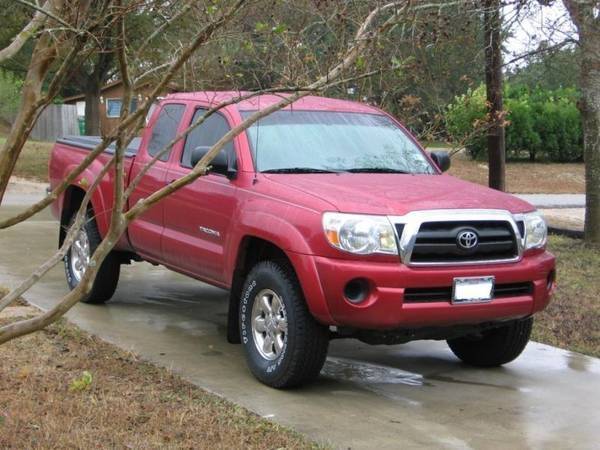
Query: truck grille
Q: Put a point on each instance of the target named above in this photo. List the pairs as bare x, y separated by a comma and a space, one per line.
464, 241
444, 294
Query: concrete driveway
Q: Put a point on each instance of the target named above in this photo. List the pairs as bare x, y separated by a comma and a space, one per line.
410, 396
554, 200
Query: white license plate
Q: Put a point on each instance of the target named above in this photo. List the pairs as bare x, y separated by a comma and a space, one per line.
473, 290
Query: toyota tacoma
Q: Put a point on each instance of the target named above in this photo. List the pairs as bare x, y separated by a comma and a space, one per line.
324, 220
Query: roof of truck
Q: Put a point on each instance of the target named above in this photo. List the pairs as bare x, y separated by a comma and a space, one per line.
262, 101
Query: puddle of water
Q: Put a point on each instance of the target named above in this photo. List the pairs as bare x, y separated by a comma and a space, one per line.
367, 373
447, 379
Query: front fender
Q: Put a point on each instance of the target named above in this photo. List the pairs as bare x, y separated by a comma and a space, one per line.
292, 241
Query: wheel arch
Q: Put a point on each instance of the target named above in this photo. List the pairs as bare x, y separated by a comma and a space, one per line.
72, 199
251, 250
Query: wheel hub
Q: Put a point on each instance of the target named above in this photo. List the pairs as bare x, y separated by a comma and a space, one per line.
80, 255
269, 324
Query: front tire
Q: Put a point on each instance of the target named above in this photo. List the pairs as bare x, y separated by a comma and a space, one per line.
494, 347
78, 257
284, 345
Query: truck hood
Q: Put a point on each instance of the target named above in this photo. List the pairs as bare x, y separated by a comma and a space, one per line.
398, 194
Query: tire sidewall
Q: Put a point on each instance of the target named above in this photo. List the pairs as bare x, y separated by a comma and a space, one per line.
264, 277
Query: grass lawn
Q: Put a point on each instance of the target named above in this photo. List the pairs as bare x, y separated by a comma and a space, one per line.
33, 161
62, 388
572, 320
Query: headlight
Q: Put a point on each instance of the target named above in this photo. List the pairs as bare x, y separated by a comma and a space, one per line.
536, 231
360, 234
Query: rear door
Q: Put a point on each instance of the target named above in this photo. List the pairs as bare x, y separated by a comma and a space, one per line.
198, 217
146, 231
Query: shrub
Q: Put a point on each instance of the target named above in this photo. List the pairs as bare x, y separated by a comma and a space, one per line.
541, 123
465, 120
10, 96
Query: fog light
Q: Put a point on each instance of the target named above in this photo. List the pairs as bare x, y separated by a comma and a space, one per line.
356, 290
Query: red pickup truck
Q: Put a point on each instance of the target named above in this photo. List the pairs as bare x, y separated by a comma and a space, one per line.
324, 220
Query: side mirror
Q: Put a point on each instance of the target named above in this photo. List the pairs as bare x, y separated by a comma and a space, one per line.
220, 164
441, 159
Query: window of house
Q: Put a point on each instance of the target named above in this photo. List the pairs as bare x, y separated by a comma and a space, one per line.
165, 129
113, 107
206, 135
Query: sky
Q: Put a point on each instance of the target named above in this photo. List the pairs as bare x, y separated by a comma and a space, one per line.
542, 23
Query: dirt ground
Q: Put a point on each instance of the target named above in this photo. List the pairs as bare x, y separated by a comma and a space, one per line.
524, 177
61, 388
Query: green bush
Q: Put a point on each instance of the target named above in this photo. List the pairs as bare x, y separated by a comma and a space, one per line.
541, 124
10, 96
465, 118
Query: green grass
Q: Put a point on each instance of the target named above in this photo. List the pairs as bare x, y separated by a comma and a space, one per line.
33, 160
572, 320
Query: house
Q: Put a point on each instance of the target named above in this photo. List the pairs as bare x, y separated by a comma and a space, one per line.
111, 100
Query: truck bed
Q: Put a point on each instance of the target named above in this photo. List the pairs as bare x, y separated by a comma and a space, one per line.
90, 142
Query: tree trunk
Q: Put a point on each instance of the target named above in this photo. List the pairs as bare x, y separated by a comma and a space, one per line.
493, 80
584, 16
590, 114
92, 107
42, 58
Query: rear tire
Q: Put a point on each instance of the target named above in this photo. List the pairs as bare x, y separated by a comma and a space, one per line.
107, 277
494, 347
271, 301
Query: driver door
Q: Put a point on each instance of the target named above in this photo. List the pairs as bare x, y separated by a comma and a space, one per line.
198, 217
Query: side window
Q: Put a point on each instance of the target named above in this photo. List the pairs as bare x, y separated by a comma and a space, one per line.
165, 129
206, 135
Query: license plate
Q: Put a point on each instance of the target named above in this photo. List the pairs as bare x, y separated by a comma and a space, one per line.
473, 290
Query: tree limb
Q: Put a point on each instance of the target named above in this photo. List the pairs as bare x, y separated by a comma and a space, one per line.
23, 36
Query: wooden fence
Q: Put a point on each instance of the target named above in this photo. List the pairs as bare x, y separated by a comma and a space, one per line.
56, 121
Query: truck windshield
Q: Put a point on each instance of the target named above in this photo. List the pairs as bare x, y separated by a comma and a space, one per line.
326, 141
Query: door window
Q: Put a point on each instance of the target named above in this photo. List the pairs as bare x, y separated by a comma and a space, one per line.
206, 135
165, 129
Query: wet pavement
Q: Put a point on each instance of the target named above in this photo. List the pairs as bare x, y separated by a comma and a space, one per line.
416, 395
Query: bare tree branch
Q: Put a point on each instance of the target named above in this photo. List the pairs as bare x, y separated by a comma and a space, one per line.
202, 36
25, 34
64, 248
117, 227
46, 12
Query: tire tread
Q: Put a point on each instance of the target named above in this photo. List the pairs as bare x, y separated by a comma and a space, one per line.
312, 338
107, 277
497, 347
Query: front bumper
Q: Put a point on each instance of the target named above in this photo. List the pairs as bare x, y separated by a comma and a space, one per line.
324, 279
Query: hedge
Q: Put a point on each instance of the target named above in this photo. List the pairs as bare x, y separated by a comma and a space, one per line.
541, 124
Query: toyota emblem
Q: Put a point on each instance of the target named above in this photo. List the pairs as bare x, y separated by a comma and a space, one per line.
467, 239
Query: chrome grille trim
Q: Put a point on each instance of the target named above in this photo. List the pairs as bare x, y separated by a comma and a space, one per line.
412, 222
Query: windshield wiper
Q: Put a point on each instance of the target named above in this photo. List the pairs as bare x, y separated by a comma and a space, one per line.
298, 170
375, 170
